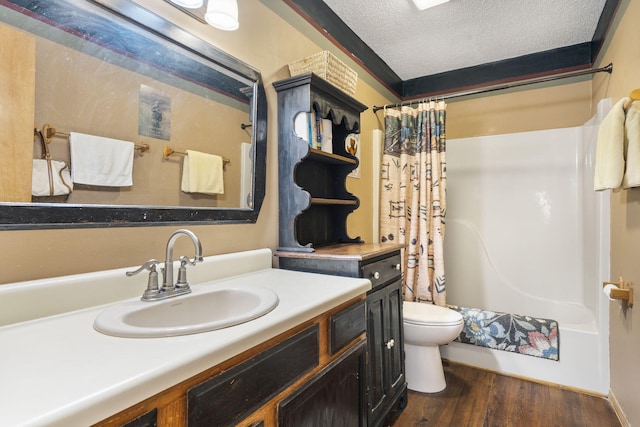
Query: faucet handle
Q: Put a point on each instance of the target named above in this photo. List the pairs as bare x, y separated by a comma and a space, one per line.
182, 272
149, 265
152, 291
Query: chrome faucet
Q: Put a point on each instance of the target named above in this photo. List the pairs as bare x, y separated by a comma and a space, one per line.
181, 283
169, 288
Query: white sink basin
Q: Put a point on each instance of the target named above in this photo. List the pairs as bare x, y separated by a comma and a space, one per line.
204, 309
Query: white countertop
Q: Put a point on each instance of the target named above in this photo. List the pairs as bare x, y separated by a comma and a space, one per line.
58, 371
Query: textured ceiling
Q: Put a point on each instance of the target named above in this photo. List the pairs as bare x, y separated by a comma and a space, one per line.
465, 33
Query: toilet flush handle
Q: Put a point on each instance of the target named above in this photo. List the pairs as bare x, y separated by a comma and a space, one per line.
390, 344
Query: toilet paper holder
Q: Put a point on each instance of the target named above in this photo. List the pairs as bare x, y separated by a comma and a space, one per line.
619, 291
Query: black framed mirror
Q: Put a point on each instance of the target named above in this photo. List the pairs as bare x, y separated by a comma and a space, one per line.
154, 52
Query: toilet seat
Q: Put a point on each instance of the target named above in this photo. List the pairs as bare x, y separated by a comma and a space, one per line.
417, 313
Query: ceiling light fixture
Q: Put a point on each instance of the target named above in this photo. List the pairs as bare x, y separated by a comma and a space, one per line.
426, 4
222, 14
189, 4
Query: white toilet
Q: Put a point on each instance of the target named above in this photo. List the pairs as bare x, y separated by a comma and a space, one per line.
426, 327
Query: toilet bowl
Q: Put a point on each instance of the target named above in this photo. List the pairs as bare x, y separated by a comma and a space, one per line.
426, 327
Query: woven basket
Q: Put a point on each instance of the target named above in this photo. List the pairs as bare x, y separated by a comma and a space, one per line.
330, 68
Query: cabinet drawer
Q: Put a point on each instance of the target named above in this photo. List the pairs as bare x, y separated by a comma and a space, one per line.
227, 398
382, 271
347, 325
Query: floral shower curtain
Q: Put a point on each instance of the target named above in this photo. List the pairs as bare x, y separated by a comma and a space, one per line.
413, 196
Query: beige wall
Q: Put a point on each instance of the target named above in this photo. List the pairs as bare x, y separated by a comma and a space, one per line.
544, 107
623, 52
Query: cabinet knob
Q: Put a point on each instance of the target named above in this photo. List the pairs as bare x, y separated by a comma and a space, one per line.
397, 267
390, 344
376, 275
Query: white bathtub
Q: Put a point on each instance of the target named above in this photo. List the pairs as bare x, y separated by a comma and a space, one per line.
526, 234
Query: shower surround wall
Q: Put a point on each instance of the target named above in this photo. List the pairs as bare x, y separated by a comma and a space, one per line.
526, 234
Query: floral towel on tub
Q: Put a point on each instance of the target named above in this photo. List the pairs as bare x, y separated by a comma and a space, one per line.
509, 332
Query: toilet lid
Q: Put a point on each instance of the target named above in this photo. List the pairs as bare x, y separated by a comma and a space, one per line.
429, 314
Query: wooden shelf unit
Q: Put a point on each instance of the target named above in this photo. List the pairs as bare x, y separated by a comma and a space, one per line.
314, 201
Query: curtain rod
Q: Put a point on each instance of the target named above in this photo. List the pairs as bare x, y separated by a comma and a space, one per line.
607, 69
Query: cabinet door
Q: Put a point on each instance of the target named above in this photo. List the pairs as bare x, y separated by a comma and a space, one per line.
376, 311
334, 397
394, 339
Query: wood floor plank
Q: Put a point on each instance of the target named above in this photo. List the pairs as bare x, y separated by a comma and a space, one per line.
462, 403
471, 408
480, 398
513, 400
589, 411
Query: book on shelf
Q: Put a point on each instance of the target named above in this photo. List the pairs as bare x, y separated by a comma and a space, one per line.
327, 136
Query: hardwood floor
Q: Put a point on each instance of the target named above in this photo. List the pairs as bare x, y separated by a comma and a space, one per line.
476, 397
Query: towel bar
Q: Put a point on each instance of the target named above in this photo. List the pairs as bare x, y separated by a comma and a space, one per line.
48, 132
168, 151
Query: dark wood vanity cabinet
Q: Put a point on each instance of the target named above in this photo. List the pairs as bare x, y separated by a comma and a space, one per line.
314, 201
381, 264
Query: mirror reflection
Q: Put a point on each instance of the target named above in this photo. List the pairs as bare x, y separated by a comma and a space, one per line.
137, 120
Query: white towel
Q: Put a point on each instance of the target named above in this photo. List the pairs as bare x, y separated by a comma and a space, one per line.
609, 167
202, 173
96, 160
632, 149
